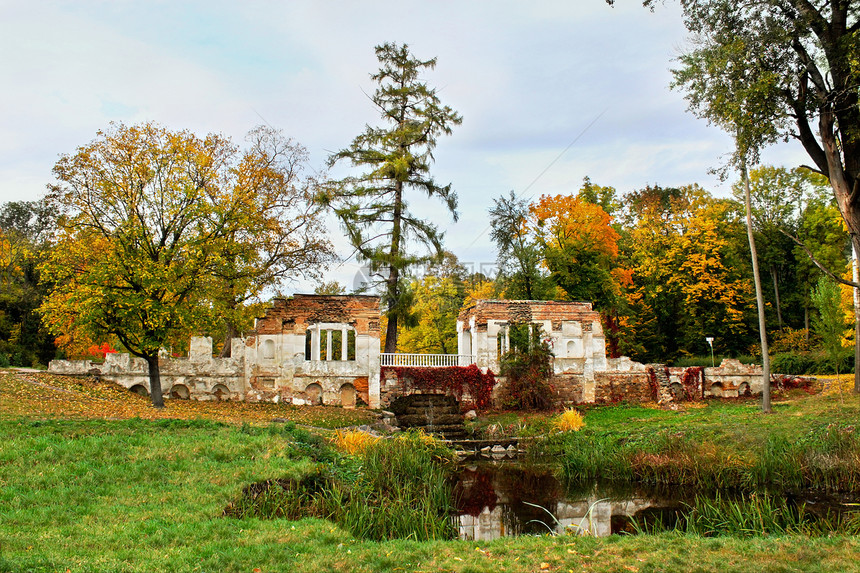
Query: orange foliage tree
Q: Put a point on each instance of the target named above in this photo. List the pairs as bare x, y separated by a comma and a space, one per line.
580, 250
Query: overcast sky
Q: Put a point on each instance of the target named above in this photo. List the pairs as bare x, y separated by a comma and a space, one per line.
531, 80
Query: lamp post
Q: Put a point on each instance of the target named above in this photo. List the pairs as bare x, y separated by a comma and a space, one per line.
710, 340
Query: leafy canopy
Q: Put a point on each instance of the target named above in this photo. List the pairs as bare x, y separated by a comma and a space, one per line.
153, 223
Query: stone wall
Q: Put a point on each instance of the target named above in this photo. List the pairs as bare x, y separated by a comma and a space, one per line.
731, 379
313, 349
306, 350
199, 376
622, 387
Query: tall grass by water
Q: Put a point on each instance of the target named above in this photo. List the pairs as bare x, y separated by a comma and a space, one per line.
753, 515
714, 455
394, 488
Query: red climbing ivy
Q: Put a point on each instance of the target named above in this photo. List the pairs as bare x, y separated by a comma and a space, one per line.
692, 380
652, 382
453, 380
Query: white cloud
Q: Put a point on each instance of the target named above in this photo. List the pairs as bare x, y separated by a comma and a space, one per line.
527, 78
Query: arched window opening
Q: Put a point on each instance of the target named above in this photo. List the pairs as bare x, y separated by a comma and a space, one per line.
269, 349
314, 393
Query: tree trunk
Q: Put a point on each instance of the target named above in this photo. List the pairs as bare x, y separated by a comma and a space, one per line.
773, 275
759, 297
230, 332
391, 330
856, 277
155, 381
394, 271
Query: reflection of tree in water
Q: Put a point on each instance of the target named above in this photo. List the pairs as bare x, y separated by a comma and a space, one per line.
523, 490
474, 491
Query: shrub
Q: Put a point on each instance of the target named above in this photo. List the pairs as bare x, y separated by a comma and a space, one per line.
793, 340
568, 421
528, 368
813, 362
353, 442
453, 380
792, 363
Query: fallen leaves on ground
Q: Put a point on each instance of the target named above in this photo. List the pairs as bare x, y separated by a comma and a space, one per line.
46, 395
832, 385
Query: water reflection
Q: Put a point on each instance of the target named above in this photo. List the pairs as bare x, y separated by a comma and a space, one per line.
496, 500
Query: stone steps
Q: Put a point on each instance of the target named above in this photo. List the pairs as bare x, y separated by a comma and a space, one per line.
431, 413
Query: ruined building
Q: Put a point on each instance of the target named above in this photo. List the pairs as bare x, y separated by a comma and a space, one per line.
320, 349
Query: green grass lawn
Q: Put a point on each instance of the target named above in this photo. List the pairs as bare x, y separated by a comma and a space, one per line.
89, 494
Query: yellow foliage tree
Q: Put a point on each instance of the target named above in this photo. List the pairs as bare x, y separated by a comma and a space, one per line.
154, 224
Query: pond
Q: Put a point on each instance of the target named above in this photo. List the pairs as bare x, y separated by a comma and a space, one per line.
497, 499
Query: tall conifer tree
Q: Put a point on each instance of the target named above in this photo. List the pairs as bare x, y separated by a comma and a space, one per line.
373, 206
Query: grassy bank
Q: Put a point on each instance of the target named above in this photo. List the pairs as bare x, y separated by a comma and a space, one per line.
82, 493
148, 496
808, 442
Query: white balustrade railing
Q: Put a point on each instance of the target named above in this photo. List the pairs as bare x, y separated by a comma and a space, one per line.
425, 360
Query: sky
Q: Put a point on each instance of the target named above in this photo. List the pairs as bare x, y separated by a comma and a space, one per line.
550, 91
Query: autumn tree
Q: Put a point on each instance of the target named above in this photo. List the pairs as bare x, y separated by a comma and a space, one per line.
438, 296
150, 218
580, 250
605, 197
373, 207
689, 275
519, 256
279, 234
783, 68
25, 227
718, 297
653, 220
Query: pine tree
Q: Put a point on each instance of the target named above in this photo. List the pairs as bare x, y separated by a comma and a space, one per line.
372, 207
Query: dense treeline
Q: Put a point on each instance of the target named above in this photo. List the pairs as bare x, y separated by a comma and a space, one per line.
24, 228
666, 267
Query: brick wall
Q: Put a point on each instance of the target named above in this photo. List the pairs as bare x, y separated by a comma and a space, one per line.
296, 314
622, 386
524, 311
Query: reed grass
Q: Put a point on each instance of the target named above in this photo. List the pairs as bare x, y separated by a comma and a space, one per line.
392, 489
353, 441
568, 421
828, 458
753, 515
719, 446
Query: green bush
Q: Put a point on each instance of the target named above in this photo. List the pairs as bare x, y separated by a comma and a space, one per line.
792, 363
527, 369
705, 360
812, 362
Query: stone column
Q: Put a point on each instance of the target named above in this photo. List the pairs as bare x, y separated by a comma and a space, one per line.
315, 343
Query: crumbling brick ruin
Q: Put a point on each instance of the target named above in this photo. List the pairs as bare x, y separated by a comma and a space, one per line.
314, 349
321, 349
573, 330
